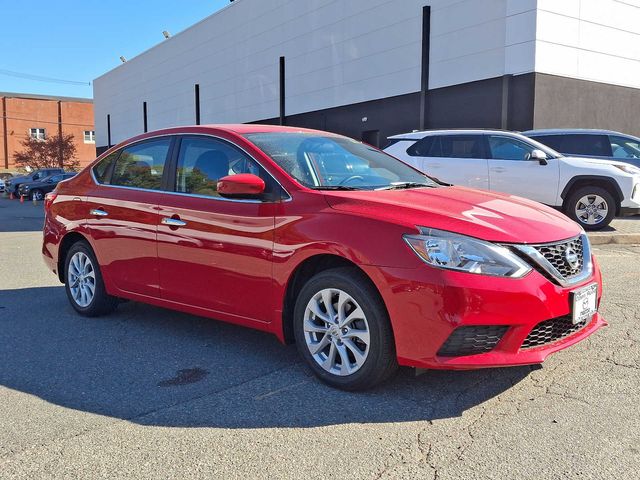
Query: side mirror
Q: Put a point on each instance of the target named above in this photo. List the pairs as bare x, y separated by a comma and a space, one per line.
539, 156
241, 185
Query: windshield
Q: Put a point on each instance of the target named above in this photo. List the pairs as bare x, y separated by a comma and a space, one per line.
333, 162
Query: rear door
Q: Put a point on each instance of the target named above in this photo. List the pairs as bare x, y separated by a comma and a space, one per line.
216, 253
123, 215
457, 159
512, 171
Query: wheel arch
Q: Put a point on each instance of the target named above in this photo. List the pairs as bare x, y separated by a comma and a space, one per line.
304, 271
607, 183
67, 242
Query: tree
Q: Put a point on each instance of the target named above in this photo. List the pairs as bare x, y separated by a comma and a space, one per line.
57, 151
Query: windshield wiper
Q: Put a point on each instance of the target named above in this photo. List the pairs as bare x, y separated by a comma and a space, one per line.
336, 187
405, 185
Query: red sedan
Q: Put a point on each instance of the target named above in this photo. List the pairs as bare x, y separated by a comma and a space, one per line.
363, 261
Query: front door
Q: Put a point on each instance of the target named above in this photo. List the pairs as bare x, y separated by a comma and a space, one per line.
511, 170
215, 253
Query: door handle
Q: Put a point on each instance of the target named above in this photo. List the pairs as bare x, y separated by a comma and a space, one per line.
98, 213
434, 165
173, 222
498, 169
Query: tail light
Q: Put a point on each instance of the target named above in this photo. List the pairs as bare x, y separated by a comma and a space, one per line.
48, 200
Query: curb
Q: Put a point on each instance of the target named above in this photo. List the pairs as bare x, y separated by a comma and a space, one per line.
614, 238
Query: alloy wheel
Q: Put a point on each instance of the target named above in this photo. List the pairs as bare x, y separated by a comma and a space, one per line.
336, 332
82, 279
592, 209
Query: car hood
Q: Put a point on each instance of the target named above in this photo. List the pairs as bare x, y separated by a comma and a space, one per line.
486, 215
595, 160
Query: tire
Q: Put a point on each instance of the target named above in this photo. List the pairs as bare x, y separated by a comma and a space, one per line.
583, 199
377, 359
37, 195
100, 302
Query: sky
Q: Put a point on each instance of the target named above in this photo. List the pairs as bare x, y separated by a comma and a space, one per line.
77, 41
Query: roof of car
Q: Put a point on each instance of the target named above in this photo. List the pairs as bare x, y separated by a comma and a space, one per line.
571, 131
242, 128
425, 133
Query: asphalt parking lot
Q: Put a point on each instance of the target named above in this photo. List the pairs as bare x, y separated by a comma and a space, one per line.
150, 393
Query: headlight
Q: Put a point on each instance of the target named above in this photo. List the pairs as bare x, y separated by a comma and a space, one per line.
466, 254
627, 168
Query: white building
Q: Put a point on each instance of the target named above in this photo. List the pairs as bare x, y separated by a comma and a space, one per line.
372, 68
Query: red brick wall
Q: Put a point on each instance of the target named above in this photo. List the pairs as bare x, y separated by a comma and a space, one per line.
22, 114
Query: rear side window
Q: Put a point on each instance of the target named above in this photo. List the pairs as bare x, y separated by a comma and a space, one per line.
552, 141
594, 145
56, 178
102, 170
142, 165
457, 146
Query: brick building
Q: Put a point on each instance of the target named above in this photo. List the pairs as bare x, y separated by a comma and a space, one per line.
41, 116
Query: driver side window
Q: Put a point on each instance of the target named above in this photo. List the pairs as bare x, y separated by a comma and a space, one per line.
506, 148
624, 147
203, 161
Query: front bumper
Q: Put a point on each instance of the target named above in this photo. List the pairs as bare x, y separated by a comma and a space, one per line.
427, 305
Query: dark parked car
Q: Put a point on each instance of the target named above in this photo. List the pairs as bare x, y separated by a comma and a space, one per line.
13, 185
603, 144
37, 190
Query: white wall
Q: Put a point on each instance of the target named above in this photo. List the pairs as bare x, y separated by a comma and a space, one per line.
597, 40
478, 39
338, 53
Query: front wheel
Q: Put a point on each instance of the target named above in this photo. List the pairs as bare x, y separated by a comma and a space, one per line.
592, 207
83, 283
343, 332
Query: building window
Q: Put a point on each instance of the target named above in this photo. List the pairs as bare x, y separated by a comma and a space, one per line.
37, 133
89, 136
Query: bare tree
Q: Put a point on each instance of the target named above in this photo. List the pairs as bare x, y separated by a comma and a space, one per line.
56, 151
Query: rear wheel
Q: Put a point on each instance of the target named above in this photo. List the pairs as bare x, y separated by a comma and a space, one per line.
592, 207
343, 331
83, 283
37, 195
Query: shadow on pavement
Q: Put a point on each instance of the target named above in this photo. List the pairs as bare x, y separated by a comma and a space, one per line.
157, 367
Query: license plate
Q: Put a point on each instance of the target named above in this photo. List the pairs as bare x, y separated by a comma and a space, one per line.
585, 303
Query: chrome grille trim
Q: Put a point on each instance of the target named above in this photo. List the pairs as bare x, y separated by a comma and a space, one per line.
536, 255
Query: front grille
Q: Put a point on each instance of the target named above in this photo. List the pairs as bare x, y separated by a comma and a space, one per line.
551, 331
566, 257
472, 340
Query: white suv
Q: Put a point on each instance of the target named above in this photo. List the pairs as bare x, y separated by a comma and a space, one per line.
589, 191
